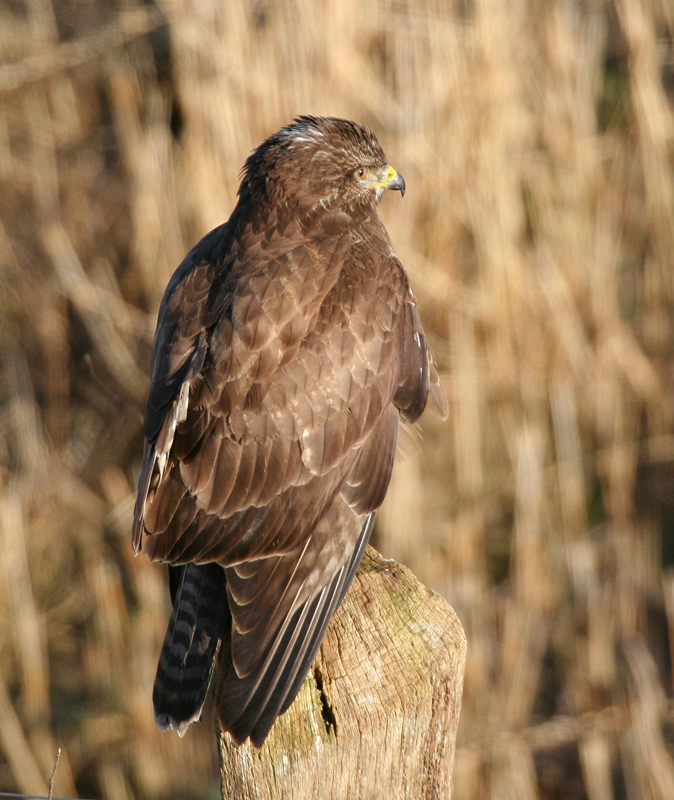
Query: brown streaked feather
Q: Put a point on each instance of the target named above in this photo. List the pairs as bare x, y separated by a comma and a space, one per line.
160, 510
250, 533
366, 485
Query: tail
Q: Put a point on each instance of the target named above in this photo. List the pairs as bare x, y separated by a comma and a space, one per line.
200, 616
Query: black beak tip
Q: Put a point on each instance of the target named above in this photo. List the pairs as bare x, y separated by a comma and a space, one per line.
398, 183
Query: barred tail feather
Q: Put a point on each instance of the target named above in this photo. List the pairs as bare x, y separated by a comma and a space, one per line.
200, 615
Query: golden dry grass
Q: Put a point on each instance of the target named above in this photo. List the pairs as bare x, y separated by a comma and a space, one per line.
537, 141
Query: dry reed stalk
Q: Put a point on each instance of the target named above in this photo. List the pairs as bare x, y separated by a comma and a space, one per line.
17, 749
26, 618
127, 25
146, 147
514, 772
595, 756
652, 766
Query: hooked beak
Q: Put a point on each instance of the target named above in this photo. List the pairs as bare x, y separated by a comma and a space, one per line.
393, 180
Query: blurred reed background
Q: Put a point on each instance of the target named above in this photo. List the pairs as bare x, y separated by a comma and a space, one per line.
537, 141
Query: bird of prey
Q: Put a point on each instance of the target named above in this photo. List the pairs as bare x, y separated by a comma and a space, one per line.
288, 349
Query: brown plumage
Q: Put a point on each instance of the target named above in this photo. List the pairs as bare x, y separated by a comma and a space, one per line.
288, 346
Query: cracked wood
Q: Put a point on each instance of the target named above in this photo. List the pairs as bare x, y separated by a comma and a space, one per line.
377, 715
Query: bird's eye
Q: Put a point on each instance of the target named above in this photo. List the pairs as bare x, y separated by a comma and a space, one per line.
361, 172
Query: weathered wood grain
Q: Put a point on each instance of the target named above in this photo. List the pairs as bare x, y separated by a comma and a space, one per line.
377, 715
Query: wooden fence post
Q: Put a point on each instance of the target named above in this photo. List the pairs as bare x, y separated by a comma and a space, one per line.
378, 713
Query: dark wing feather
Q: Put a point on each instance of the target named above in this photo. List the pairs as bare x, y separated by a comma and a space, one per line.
419, 376
248, 703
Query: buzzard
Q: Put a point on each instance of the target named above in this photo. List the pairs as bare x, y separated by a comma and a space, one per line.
288, 348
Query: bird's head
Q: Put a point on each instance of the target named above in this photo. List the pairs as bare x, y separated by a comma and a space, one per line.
321, 161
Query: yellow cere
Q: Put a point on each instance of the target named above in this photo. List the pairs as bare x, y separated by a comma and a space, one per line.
390, 175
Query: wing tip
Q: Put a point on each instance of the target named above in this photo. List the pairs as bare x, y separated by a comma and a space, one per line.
137, 535
242, 729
